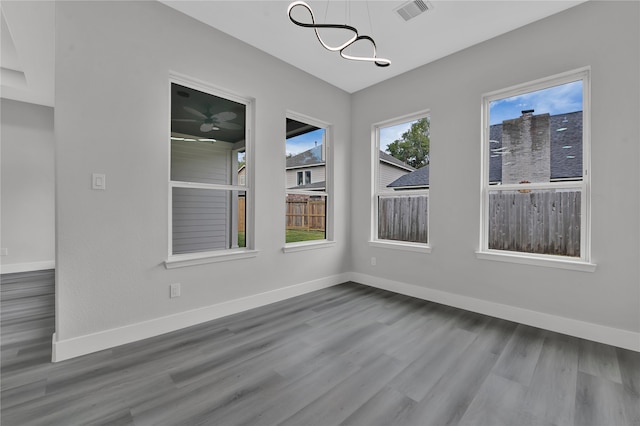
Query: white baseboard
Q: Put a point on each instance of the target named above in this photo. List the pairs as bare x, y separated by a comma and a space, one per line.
27, 267
71, 348
598, 333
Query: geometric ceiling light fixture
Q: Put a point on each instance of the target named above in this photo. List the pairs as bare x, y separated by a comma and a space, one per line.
343, 47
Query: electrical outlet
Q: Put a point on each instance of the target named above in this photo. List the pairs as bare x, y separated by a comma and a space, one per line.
373, 261
174, 290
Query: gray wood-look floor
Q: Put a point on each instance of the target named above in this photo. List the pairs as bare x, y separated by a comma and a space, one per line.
346, 355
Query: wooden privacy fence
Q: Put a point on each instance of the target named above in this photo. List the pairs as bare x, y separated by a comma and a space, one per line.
544, 222
403, 218
306, 213
241, 212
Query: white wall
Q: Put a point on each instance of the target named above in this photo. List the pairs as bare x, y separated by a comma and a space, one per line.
112, 109
27, 153
603, 35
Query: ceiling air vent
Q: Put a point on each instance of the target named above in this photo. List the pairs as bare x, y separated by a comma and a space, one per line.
413, 8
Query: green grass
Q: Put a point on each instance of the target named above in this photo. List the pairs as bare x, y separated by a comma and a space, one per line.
293, 236
297, 235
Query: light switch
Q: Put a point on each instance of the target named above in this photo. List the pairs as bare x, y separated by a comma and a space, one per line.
99, 181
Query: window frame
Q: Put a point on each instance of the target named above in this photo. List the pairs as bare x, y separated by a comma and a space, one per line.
375, 190
198, 258
583, 263
328, 192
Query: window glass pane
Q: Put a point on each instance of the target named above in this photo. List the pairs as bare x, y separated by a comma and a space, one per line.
306, 171
208, 145
403, 218
404, 149
403, 164
207, 137
537, 136
305, 150
306, 217
536, 221
206, 220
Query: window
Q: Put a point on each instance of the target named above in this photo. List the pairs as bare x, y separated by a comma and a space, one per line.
208, 177
307, 173
304, 178
535, 174
401, 169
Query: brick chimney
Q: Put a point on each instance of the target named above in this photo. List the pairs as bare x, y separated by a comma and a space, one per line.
526, 141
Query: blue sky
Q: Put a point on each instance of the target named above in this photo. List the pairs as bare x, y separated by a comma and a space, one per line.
392, 133
554, 100
301, 143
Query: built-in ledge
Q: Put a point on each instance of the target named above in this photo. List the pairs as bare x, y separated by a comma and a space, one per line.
192, 259
307, 245
419, 248
538, 260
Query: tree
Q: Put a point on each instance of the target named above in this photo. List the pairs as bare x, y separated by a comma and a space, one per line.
413, 145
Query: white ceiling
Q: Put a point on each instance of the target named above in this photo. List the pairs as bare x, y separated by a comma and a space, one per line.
27, 57
451, 25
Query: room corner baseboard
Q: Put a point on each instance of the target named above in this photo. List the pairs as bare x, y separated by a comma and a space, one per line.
77, 346
598, 333
13, 268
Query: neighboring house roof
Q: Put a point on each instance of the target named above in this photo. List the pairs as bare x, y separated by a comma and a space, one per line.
310, 157
566, 153
418, 178
566, 147
311, 186
387, 158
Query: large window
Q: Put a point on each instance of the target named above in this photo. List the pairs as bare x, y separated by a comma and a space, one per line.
535, 174
208, 177
401, 169
307, 173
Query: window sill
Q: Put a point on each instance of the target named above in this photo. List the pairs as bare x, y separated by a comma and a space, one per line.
307, 245
399, 245
538, 260
192, 259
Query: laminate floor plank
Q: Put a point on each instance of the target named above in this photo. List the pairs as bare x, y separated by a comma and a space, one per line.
551, 395
520, 357
599, 360
387, 407
599, 401
497, 403
334, 406
348, 354
449, 398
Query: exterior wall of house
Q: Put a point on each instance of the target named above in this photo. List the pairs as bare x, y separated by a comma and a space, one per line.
318, 174
452, 88
112, 286
28, 227
387, 174
193, 229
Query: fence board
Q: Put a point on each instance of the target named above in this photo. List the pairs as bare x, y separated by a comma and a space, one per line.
403, 218
307, 214
543, 222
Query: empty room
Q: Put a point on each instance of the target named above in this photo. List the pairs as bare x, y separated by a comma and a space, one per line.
320, 213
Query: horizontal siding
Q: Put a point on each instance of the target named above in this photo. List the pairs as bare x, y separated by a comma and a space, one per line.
200, 220
387, 174
200, 162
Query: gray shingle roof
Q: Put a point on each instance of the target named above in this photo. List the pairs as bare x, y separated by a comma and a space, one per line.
311, 186
566, 152
418, 178
310, 157
566, 147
